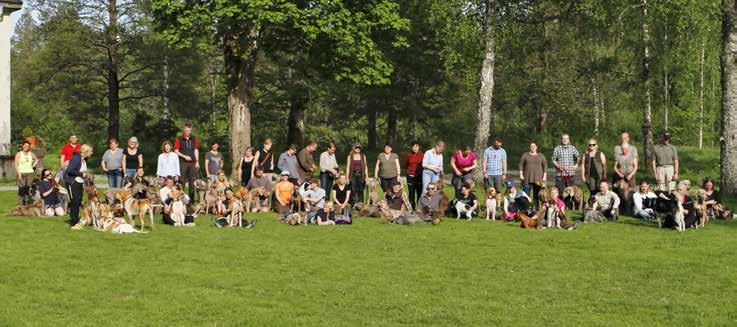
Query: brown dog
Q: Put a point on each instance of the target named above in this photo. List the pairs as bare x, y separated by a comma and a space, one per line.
444, 200
364, 210
254, 203
573, 197
28, 210
528, 222
137, 207
373, 187
700, 207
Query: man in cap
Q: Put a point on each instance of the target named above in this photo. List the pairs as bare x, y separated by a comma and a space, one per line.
665, 163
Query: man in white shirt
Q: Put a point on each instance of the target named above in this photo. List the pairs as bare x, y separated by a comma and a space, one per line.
641, 199
432, 165
328, 168
607, 201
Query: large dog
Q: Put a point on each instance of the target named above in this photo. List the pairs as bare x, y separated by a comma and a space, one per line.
365, 210
444, 200
373, 187
28, 210
254, 202
463, 209
137, 207
491, 203
573, 198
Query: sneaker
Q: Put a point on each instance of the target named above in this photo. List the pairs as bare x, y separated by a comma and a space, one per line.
77, 227
251, 225
214, 223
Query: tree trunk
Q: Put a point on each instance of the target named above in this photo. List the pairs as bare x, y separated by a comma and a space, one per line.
597, 110
485, 113
647, 129
240, 62
391, 127
372, 135
666, 84
298, 101
113, 67
728, 140
701, 97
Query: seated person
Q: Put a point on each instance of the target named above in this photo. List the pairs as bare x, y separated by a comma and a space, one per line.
515, 200
221, 183
284, 190
644, 201
714, 206
137, 180
166, 201
225, 207
325, 216
341, 195
468, 197
50, 194
557, 207
314, 199
395, 198
606, 202
260, 180
430, 205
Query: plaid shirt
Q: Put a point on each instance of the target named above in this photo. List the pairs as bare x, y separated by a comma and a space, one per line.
566, 156
494, 159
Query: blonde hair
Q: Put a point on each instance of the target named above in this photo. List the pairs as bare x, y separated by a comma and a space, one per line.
134, 140
85, 149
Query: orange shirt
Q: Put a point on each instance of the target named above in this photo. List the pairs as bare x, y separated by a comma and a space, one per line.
284, 191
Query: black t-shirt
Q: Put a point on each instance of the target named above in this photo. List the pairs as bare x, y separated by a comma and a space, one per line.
131, 160
469, 200
340, 195
265, 160
53, 197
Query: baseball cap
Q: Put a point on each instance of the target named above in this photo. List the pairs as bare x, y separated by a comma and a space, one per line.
284, 173
510, 184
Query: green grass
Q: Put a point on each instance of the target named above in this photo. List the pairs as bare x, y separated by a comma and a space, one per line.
455, 274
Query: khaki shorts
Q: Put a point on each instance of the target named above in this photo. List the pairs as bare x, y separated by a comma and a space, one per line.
665, 178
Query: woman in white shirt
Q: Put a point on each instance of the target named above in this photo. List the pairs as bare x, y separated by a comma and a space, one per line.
639, 198
168, 164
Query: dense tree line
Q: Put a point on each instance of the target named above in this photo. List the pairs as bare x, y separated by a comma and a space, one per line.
369, 71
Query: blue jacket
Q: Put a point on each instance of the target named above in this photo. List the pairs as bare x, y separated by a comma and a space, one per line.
75, 164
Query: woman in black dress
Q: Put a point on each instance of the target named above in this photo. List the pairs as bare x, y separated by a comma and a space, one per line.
246, 166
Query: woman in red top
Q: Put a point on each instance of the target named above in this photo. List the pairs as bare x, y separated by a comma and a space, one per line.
413, 165
463, 163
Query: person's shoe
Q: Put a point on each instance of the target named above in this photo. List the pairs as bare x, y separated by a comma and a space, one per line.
215, 223
77, 227
251, 225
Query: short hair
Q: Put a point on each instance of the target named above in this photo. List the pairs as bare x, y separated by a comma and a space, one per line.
26, 142
331, 145
396, 183
139, 168
644, 182
292, 147
169, 178
268, 141
604, 182
112, 140
417, 143
533, 142
466, 147
431, 183
259, 168
498, 139
387, 144
565, 135
213, 144
187, 125
134, 140
310, 143
468, 186
440, 143
163, 145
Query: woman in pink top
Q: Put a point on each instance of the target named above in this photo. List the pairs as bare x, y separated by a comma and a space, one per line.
463, 163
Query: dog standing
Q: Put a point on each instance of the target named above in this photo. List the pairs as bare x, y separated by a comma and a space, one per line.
679, 215
137, 207
573, 197
373, 187
463, 209
491, 203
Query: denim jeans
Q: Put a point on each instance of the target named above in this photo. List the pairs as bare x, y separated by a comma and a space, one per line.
428, 176
644, 213
115, 178
130, 172
326, 182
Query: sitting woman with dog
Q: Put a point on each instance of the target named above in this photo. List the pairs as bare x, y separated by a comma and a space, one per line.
714, 206
558, 212
341, 195
515, 200
50, 194
168, 163
468, 197
395, 198
221, 183
226, 208
644, 201
141, 192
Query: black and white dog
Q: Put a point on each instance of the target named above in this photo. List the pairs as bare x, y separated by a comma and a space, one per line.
673, 212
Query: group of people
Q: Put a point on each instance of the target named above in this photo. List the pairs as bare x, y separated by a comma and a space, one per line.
343, 187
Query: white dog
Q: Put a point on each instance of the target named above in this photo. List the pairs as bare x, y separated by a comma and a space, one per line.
463, 209
679, 216
553, 217
491, 203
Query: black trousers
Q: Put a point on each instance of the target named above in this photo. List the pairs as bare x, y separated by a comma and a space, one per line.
167, 219
358, 184
533, 190
386, 183
75, 202
188, 172
414, 184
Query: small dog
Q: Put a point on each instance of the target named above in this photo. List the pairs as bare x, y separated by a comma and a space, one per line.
201, 186
553, 216
463, 209
527, 221
178, 210
590, 214
210, 199
92, 214
297, 218
573, 197
491, 203
235, 218
679, 215
373, 187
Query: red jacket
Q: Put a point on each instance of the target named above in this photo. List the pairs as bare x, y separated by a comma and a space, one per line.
413, 163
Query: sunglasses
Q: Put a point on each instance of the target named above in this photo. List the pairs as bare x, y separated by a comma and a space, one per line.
592, 144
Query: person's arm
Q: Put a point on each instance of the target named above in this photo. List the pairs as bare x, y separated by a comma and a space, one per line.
527, 196
61, 161
347, 198
506, 204
176, 150
35, 160
177, 171
47, 193
104, 166
583, 167
122, 164
426, 163
453, 165
196, 154
207, 164
617, 171
365, 166
399, 168
475, 164
15, 164
634, 170
475, 205
376, 169
555, 158
256, 158
616, 200
655, 171
544, 165
676, 166
332, 196
504, 169
348, 167
604, 164
160, 166
522, 163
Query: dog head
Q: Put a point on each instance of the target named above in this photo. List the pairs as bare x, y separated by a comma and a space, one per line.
491, 193
117, 210
359, 206
241, 193
200, 185
175, 194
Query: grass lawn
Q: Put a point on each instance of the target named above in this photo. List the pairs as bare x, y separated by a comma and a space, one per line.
455, 274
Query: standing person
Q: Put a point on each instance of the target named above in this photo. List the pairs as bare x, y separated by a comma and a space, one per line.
533, 171
264, 159
495, 167
565, 159
168, 163
214, 161
463, 162
288, 163
593, 168
665, 164
329, 169
246, 166
305, 162
187, 148
341, 195
387, 169
626, 161
112, 164
132, 158
25, 163
74, 177
357, 168
50, 194
68, 150
38, 147
413, 166
432, 164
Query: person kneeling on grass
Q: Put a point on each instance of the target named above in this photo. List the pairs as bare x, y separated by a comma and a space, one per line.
50, 194
514, 201
429, 208
554, 210
644, 201
167, 201
225, 208
468, 197
606, 202
283, 193
314, 199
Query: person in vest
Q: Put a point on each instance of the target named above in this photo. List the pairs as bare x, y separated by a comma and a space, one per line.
25, 163
593, 169
187, 148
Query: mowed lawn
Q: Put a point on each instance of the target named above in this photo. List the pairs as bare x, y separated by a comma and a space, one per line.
458, 273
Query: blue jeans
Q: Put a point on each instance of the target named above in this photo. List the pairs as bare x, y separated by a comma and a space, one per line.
428, 176
115, 178
130, 172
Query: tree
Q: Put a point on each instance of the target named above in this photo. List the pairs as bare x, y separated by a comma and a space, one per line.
485, 113
240, 28
729, 98
647, 111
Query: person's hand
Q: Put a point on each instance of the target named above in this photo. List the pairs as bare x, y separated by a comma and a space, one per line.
675, 177
613, 212
197, 164
620, 175
504, 177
